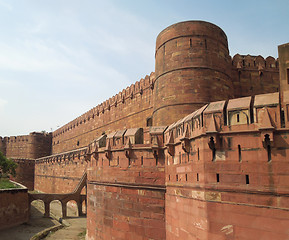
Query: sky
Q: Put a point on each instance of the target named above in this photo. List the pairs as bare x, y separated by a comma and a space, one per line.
60, 58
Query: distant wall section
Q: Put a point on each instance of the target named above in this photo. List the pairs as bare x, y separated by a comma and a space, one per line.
254, 75
128, 109
25, 172
31, 146
60, 173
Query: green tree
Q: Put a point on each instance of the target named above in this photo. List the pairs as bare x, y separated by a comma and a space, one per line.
7, 166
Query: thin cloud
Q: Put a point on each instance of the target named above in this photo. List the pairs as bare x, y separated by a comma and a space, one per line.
6, 5
3, 102
66, 57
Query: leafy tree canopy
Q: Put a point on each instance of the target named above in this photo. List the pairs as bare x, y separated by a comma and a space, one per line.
7, 166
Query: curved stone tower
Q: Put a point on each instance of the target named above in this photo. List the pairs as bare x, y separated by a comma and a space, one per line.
192, 68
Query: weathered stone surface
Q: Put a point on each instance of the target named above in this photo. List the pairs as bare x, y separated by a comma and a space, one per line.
171, 157
14, 207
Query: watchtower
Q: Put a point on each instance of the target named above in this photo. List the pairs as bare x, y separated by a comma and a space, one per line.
192, 68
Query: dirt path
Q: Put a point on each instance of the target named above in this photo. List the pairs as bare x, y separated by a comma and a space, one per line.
75, 226
75, 231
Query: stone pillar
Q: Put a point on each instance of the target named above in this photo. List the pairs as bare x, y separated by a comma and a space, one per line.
47, 209
79, 206
64, 209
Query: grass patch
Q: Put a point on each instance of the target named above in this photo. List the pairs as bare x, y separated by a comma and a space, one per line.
34, 191
5, 183
82, 235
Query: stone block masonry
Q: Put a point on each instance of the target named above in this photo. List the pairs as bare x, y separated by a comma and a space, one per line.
197, 150
227, 179
130, 108
31, 146
60, 173
126, 187
25, 172
14, 207
193, 67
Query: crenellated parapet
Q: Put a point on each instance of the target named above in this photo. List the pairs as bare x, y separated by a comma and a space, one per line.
34, 145
234, 116
227, 133
249, 62
126, 182
78, 154
122, 97
254, 75
126, 157
59, 173
134, 102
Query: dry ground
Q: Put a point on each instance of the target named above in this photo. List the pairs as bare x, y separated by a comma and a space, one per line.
37, 223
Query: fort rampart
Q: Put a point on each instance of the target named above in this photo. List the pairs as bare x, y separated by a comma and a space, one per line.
130, 108
60, 173
25, 172
193, 68
226, 172
30, 146
227, 158
197, 150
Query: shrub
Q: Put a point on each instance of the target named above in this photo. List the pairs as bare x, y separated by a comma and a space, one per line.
7, 166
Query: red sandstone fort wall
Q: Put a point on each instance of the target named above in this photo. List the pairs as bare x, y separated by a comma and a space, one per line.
126, 190
60, 173
192, 62
31, 146
130, 108
25, 172
254, 75
14, 207
193, 67
228, 180
126, 182
223, 167
229, 198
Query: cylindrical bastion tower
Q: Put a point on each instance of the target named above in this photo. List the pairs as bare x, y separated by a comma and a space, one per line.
193, 67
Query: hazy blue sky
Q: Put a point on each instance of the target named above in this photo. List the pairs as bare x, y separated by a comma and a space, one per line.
60, 58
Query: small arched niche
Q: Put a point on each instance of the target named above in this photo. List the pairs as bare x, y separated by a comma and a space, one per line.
238, 117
